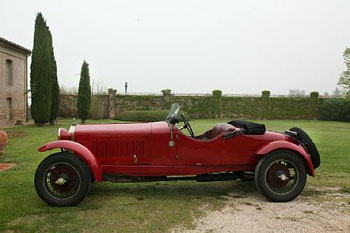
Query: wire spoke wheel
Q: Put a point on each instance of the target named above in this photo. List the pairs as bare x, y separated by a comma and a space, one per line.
61, 180
281, 176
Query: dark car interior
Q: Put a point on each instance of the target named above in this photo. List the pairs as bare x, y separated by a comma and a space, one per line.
216, 131
229, 129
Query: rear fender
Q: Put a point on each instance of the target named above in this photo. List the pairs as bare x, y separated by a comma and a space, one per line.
81, 151
284, 145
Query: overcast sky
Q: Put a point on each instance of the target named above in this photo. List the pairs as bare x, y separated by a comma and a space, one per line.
191, 46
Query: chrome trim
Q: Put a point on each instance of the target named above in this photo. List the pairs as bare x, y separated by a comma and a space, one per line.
71, 131
171, 142
291, 133
59, 133
177, 176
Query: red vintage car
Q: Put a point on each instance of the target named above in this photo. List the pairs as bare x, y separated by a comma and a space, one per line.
160, 151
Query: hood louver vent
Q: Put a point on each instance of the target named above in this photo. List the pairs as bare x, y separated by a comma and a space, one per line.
118, 148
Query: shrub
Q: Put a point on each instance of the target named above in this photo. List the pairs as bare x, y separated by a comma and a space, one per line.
335, 110
146, 115
314, 94
266, 93
265, 104
314, 105
166, 91
217, 111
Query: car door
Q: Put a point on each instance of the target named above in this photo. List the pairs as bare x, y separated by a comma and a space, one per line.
237, 150
199, 152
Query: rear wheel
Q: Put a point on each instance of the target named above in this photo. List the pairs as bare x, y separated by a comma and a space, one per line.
280, 176
62, 179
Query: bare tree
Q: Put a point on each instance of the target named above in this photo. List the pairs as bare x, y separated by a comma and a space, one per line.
99, 90
68, 90
336, 92
344, 80
297, 93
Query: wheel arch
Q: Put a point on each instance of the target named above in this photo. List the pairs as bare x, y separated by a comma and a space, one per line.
284, 145
84, 153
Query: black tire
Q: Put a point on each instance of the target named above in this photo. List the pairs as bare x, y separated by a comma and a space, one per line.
310, 146
271, 185
76, 179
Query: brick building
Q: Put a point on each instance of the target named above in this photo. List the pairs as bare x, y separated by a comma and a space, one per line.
13, 82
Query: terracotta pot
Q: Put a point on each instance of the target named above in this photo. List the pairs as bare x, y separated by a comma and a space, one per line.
3, 141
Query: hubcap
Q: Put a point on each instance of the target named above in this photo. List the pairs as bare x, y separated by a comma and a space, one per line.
283, 177
278, 175
60, 181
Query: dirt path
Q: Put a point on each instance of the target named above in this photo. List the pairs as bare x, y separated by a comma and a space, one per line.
252, 213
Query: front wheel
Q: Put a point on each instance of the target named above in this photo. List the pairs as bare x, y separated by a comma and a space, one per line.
62, 179
280, 176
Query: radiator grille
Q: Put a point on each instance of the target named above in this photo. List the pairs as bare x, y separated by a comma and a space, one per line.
118, 148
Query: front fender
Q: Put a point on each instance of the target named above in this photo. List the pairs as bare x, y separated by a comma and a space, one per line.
284, 145
80, 150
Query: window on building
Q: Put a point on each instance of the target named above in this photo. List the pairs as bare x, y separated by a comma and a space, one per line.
9, 72
9, 109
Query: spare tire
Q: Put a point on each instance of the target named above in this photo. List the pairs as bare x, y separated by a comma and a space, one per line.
309, 144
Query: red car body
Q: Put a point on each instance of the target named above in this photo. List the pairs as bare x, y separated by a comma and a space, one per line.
110, 148
160, 151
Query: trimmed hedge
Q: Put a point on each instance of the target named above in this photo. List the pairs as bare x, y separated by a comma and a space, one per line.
216, 106
198, 107
314, 94
266, 93
335, 110
290, 108
265, 104
234, 107
154, 107
146, 115
166, 91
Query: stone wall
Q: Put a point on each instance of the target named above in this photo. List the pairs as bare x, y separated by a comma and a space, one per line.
206, 106
99, 106
68, 106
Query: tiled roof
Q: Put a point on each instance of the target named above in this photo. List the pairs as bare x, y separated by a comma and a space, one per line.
9, 43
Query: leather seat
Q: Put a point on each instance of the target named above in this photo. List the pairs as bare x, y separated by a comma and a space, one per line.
221, 128
216, 131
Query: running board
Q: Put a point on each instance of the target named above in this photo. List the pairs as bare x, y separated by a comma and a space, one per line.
200, 178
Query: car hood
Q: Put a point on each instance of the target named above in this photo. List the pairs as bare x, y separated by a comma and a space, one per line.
124, 129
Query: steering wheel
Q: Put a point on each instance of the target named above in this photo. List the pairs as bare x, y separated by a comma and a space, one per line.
187, 125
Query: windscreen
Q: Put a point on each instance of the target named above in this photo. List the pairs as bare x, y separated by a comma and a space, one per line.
174, 110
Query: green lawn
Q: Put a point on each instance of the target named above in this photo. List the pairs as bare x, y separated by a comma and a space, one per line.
143, 207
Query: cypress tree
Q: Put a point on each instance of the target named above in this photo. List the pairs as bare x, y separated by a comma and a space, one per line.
84, 93
55, 87
40, 82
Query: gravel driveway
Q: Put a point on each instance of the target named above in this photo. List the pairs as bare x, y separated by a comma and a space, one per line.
250, 212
